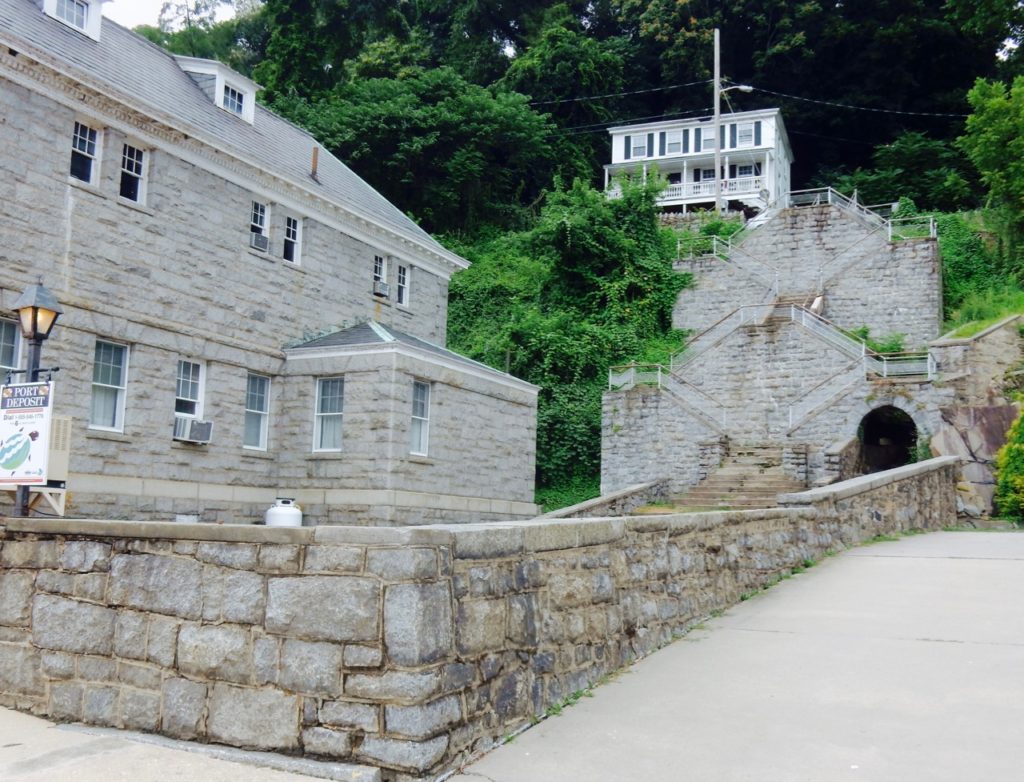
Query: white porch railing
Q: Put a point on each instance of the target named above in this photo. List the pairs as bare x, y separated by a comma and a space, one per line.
684, 190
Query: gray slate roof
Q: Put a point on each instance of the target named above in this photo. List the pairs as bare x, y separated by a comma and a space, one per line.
373, 333
135, 69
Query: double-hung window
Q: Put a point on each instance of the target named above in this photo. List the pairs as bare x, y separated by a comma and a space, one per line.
109, 384
402, 285
188, 391
744, 171
380, 269
257, 412
258, 218
84, 149
673, 142
745, 134
292, 239
708, 140
10, 339
330, 411
420, 427
639, 148
133, 174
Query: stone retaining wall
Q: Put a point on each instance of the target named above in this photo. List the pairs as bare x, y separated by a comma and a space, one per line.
396, 651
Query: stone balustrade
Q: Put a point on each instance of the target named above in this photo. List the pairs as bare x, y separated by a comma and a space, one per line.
394, 653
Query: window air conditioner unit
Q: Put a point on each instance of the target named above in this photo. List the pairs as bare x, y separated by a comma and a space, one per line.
380, 289
189, 430
259, 242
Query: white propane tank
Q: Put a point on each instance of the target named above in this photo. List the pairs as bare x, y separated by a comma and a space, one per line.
283, 513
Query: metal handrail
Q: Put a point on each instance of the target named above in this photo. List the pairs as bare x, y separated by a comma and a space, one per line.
718, 331
824, 391
627, 377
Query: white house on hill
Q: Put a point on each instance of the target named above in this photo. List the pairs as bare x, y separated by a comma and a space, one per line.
755, 154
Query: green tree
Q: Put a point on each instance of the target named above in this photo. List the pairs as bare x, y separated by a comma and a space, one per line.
454, 155
1009, 496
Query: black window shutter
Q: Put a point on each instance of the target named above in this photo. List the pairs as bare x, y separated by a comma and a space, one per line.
696, 174
732, 169
697, 136
732, 135
627, 149
721, 137
757, 133
686, 140
661, 143
650, 145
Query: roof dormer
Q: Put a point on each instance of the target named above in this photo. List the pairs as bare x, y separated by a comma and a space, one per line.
228, 90
82, 15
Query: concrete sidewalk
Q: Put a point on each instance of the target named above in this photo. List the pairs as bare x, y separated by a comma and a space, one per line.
896, 661
34, 750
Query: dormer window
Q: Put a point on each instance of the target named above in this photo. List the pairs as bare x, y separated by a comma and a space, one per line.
82, 15
234, 101
228, 90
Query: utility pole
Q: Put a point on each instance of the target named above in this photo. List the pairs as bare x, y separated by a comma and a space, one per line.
718, 128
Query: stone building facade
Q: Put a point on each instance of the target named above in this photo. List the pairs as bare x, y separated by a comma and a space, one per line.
200, 246
773, 362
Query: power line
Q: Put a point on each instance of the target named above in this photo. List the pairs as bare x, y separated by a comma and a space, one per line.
859, 108
618, 94
602, 126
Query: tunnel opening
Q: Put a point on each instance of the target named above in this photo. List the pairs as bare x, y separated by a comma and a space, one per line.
888, 439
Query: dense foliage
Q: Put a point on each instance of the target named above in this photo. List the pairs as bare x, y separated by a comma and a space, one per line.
1009, 497
589, 286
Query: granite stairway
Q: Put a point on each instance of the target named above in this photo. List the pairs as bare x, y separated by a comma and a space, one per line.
751, 476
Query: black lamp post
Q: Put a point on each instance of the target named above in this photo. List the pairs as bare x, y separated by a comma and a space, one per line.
38, 311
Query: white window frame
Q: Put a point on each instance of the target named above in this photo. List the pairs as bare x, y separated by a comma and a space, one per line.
80, 145
740, 174
380, 268
12, 330
402, 285
292, 238
707, 175
707, 139
320, 417
196, 385
673, 138
419, 426
134, 163
120, 390
744, 129
251, 412
233, 100
64, 12
259, 213
638, 146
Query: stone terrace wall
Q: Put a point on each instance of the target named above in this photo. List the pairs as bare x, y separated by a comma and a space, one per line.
396, 651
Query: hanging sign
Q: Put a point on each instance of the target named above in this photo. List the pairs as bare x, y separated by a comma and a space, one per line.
25, 412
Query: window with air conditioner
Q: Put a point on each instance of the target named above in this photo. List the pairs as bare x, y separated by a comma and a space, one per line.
258, 234
380, 276
188, 389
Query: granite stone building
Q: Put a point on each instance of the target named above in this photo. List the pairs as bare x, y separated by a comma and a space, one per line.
245, 318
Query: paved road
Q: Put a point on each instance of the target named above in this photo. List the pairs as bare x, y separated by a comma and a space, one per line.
898, 661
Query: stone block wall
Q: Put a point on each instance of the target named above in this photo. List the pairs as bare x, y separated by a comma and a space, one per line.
398, 650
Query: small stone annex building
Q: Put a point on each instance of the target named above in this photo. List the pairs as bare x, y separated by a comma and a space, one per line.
217, 265
773, 392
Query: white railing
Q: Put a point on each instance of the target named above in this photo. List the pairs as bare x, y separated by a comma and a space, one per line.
825, 391
826, 195
683, 190
880, 364
711, 336
913, 227
627, 377
726, 249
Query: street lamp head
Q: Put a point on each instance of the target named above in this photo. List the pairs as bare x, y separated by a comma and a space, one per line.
740, 87
38, 311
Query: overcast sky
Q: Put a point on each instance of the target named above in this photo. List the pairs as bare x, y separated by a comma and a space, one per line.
132, 13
